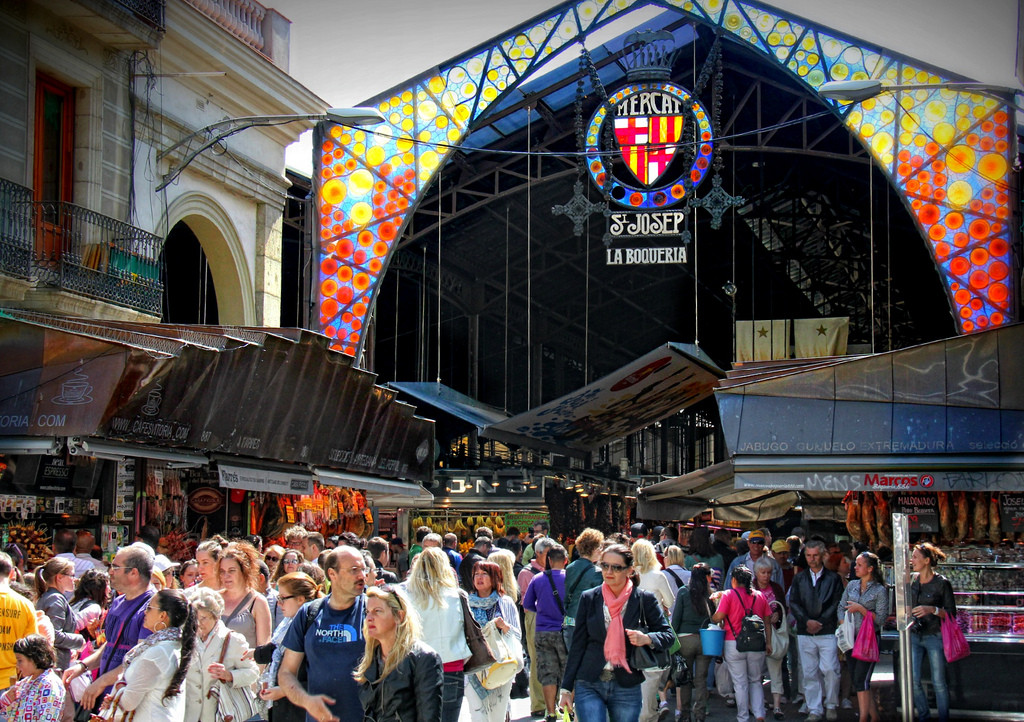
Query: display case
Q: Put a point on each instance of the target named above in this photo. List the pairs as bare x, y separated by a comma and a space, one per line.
989, 598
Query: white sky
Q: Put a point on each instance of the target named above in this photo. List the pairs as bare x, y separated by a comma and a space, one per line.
398, 39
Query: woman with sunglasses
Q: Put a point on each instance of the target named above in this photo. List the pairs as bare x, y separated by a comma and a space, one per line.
399, 676
598, 674
289, 564
293, 590
54, 581
272, 556
153, 671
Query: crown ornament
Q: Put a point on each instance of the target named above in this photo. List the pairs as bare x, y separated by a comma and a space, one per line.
654, 53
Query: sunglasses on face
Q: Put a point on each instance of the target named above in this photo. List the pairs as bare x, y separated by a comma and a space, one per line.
617, 568
273, 559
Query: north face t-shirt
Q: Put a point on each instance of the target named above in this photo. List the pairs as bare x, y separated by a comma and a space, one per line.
333, 645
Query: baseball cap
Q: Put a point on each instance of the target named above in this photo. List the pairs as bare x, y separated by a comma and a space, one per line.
161, 563
756, 535
780, 545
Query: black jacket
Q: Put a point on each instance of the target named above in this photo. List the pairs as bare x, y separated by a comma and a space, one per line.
411, 693
586, 653
820, 603
466, 569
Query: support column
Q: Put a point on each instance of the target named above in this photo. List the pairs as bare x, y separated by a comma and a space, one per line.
267, 281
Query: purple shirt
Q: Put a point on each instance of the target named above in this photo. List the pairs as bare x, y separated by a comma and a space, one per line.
128, 613
540, 599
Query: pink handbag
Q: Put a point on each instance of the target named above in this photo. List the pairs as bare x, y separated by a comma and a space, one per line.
866, 646
954, 643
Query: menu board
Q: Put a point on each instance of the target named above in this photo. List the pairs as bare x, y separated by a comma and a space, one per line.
922, 511
1011, 511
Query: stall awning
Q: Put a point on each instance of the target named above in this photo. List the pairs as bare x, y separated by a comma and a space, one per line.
943, 415
375, 487
712, 487
253, 393
449, 401
647, 390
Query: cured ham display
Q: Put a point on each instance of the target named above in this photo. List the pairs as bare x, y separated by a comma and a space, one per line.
947, 524
883, 519
867, 519
853, 525
960, 504
995, 527
980, 530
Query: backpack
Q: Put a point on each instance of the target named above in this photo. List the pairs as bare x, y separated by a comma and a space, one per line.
751, 637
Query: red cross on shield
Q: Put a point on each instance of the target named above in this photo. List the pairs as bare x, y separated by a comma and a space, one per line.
647, 143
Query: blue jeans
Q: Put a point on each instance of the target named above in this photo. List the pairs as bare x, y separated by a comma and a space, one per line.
932, 644
607, 700
452, 689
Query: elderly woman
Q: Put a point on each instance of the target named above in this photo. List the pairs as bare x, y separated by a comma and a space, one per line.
434, 593
220, 657
39, 695
776, 600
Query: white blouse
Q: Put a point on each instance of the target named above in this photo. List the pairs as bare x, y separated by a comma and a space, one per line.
147, 678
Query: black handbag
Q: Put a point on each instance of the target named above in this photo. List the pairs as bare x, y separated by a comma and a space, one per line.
679, 672
646, 656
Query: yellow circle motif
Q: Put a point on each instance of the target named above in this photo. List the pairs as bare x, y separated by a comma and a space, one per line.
360, 183
436, 85
959, 193
375, 155
333, 191
960, 159
361, 213
943, 133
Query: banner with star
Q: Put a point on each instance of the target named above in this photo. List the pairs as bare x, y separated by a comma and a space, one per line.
817, 337
765, 340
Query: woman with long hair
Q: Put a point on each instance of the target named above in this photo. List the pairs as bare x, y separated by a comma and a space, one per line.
507, 561
691, 614
188, 573
744, 667
399, 676
38, 696
648, 569
867, 594
489, 602
245, 610
294, 590
272, 556
931, 599
598, 675
291, 559
221, 657
153, 671
208, 555
54, 580
89, 603
434, 593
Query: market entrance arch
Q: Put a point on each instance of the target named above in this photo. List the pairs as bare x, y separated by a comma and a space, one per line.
947, 153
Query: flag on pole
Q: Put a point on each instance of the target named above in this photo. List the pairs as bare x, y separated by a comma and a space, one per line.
762, 340
816, 337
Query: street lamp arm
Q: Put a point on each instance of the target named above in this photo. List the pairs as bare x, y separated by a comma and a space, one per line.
857, 91
217, 132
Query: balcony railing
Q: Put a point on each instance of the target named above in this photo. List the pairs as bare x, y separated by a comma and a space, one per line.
152, 11
242, 18
84, 252
16, 248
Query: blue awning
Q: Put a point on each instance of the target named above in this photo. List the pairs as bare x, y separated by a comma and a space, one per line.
451, 402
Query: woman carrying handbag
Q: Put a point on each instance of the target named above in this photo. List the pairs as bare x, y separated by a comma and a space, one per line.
867, 596
220, 663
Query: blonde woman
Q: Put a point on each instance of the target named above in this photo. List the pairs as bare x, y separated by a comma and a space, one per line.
208, 558
507, 560
399, 677
434, 593
645, 562
235, 670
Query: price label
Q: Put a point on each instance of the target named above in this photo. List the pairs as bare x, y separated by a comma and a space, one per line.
1011, 511
922, 512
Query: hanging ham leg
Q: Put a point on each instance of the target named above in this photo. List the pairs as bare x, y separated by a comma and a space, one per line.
853, 524
995, 525
883, 519
867, 518
960, 503
947, 523
980, 530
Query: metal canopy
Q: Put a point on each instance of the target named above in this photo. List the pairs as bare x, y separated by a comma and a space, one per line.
639, 394
451, 402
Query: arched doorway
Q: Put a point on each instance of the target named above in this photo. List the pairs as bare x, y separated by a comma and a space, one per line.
190, 295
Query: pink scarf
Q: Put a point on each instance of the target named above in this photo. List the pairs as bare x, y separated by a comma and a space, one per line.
615, 640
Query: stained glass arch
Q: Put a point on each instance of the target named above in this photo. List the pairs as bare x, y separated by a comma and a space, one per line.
948, 153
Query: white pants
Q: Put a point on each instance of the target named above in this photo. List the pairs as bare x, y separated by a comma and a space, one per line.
775, 674
819, 663
491, 709
745, 669
653, 681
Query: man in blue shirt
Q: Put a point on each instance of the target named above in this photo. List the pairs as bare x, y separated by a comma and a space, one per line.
330, 644
450, 543
546, 597
756, 542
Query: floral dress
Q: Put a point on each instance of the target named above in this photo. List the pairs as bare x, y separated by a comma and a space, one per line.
34, 699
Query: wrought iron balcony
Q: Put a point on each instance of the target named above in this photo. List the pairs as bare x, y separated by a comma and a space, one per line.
152, 11
84, 252
16, 249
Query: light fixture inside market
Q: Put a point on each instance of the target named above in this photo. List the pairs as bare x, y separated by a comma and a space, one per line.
38, 445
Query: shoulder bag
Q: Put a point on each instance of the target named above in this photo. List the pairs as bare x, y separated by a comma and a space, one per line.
480, 655
780, 634
234, 704
646, 656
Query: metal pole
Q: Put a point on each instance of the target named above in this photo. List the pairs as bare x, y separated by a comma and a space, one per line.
901, 581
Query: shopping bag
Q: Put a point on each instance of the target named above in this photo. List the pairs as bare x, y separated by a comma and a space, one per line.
508, 653
845, 636
780, 635
954, 644
866, 647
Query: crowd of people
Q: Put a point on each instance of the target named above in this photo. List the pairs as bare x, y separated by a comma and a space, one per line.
323, 629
